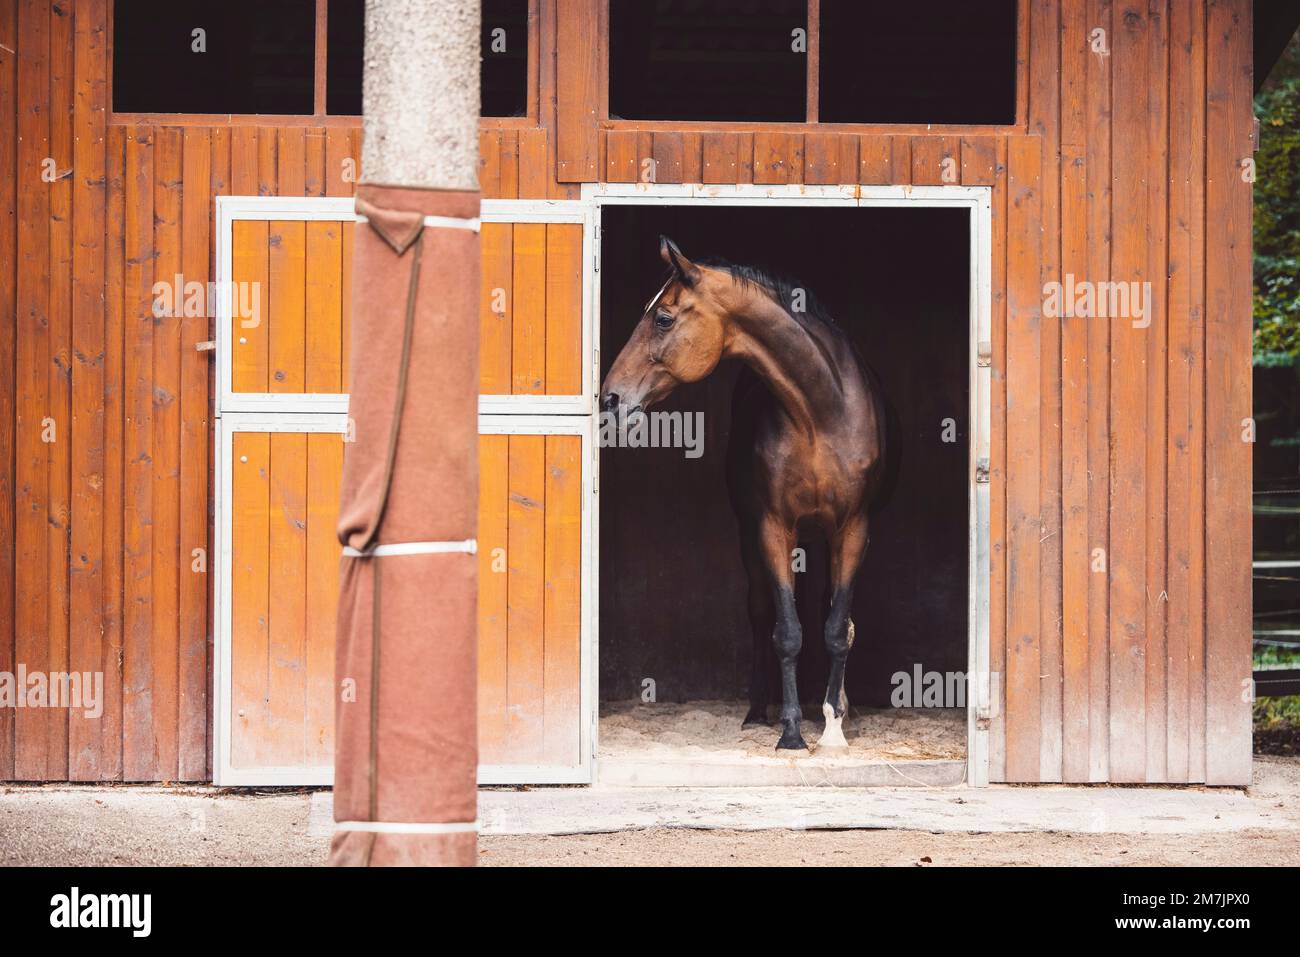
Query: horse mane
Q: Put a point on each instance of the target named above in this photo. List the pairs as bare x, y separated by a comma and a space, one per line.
781, 289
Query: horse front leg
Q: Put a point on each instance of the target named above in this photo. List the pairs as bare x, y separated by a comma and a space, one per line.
846, 556
787, 634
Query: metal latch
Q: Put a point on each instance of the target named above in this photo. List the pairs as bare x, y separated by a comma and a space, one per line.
208, 346
982, 471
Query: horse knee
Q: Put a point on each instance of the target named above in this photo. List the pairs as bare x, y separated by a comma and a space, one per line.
787, 639
839, 637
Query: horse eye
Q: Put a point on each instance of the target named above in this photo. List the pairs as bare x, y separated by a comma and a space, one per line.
663, 320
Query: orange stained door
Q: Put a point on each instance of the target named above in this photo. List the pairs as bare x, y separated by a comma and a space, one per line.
284, 486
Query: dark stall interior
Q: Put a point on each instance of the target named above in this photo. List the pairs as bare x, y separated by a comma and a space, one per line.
672, 588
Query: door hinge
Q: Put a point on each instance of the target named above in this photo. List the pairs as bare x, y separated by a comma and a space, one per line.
982, 471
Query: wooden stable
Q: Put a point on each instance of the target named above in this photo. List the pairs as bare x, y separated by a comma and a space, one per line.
1119, 543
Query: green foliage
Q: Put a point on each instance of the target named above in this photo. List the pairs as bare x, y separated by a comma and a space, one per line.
1277, 725
1277, 214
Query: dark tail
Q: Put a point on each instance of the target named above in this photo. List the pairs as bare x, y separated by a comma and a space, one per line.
888, 482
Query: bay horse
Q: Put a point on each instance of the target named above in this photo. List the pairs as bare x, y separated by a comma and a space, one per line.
807, 448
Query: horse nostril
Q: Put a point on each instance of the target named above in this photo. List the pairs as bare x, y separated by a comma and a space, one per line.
610, 402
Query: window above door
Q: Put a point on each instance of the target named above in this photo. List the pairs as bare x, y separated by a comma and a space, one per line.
946, 62
288, 58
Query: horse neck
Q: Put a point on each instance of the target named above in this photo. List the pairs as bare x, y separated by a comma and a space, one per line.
798, 369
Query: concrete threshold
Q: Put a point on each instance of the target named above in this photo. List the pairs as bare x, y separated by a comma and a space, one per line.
605, 808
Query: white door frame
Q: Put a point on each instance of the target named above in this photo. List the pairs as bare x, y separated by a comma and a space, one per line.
981, 687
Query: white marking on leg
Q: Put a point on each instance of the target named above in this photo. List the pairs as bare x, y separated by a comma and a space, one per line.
833, 736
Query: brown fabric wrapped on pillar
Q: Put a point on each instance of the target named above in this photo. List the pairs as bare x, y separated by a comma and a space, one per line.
406, 754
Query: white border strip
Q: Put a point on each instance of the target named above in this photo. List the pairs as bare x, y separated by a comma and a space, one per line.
394, 827
444, 222
468, 546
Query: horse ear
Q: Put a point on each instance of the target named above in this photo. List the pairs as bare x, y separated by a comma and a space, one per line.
686, 270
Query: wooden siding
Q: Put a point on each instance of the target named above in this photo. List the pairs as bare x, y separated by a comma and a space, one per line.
1108, 440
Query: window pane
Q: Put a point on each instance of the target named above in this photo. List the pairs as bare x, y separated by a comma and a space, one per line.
503, 85
946, 61
247, 56
707, 59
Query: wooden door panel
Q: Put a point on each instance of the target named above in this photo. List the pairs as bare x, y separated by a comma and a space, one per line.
284, 590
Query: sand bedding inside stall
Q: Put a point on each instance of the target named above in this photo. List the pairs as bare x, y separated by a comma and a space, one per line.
711, 731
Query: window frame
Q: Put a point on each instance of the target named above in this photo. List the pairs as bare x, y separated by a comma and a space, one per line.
318, 117
812, 78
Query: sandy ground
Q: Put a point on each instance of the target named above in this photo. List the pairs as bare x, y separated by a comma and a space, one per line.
85, 826
662, 731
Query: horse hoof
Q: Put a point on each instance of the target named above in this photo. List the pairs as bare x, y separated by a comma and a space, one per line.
757, 718
832, 739
791, 739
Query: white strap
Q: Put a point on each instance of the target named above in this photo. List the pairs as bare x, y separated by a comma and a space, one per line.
392, 827
468, 546
445, 222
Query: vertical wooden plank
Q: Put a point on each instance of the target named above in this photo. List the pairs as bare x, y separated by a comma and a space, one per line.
900, 149
822, 158
268, 161
195, 440
291, 161
1075, 557
489, 163
340, 172
86, 619
1227, 395
243, 161
1186, 359
563, 601
493, 499
577, 89
528, 310
509, 187
718, 153
249, 361
8, 355
1128, 407
345, 297
323, 307
621, 161
668, 157
525, 559
110, 767
772, 157
287, 323
166, 457
875, 160
1044, 121
936, 160
1098, 176
61, 55
534, 173
139, 757
32, 290
692, 159
979, 161
564, 309
1156, 511
495, 307
287, 576
220, 186
314, 169
324, 472
998, 585
250, 518
1024, 502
